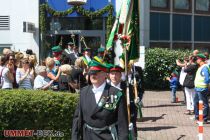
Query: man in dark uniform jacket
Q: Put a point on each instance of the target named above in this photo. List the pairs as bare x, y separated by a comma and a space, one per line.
101, 113
116, 81
73, 56
68, 50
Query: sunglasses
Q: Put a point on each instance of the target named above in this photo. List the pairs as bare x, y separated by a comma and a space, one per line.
11, 59
25, 62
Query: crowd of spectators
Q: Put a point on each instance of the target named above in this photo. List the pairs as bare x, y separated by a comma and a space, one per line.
194, 78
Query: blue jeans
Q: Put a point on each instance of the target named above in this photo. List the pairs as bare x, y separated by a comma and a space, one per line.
173, 94
201, 96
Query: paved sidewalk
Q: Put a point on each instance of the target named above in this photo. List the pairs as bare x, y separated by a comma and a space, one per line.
163, 120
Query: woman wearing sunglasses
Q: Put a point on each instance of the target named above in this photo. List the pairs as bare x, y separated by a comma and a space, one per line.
25, 75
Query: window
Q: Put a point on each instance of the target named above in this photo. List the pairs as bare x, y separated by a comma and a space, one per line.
82, 23
202, 5
160, 4
202, 28
182, 4
4, 23
159, 26
181, 27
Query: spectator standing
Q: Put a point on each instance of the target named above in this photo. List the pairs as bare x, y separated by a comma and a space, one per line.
201, 87
77, 77
41, 81
190, 69
173, 85
7, 71
25, 75
207, 58
182, 74
12, 60
64, 77
195, 52
53, 72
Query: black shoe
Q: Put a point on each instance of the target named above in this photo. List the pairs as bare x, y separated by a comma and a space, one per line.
173, 101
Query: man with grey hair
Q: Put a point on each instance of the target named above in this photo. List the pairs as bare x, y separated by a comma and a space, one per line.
101, 113
41, 81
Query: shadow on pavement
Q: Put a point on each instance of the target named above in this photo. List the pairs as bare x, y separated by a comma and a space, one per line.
153, 119
180, 137
166, 105
158, 128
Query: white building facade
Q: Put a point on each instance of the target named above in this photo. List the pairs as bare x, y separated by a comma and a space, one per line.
14, 33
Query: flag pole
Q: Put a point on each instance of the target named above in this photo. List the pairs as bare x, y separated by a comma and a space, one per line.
125, 42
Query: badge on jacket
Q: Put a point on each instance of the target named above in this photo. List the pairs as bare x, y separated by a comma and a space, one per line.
110, 103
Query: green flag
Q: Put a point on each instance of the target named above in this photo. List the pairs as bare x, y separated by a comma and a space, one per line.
133, 32
131, 28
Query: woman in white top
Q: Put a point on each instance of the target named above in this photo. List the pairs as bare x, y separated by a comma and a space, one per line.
7, 70
25, 75
41, 81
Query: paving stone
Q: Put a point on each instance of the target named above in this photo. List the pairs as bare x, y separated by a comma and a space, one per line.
163, 120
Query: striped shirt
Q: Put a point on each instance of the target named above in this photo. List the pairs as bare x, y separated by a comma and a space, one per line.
26, 83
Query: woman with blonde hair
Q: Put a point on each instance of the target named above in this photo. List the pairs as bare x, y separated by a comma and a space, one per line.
53, 72
25, 75
64, 77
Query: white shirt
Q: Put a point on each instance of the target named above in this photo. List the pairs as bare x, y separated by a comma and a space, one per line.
40, 82
76, 54
117, 86
208, 61
88, 58
6, 82
182, 76
98, 91
68, 51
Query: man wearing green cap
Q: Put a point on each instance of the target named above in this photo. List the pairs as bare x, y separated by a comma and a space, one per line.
57, 51
201, 87
105, 56
101, 112
100, 55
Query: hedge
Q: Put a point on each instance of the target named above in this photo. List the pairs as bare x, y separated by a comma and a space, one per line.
159, 63
37, 110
